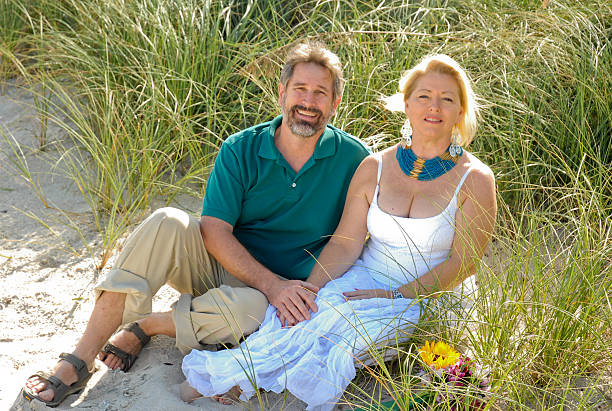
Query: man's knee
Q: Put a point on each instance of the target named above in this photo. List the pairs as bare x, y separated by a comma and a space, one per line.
224, 314
251, 310
244, 311
169, 219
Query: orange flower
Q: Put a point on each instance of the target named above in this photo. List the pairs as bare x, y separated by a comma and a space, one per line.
438, 354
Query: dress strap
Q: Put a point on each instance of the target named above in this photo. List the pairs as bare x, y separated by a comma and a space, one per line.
378, 157
461, 182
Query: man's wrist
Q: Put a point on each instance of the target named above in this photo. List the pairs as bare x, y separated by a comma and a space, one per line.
269, 284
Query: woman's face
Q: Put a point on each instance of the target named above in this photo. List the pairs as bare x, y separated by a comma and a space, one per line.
434, 107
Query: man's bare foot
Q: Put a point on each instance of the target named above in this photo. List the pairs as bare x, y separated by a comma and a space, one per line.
230, 397
189, 394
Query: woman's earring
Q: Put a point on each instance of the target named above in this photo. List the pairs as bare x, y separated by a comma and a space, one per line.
406, 132
455, 149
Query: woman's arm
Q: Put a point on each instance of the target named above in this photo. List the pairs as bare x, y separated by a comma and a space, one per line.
474, 224
346, 244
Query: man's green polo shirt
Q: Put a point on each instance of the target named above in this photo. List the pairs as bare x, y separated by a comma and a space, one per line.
281, 217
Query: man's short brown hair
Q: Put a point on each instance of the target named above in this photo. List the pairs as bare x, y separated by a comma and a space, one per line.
314, 52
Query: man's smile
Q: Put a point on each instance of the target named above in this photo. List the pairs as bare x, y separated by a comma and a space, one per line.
306, 113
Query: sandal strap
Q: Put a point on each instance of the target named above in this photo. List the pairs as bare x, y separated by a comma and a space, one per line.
79, 365
58, 387
135, 329
126, 358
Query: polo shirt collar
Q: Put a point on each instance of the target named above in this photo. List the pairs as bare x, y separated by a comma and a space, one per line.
267, 149
326, 146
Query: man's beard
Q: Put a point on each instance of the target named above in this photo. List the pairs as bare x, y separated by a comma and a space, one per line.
301, 127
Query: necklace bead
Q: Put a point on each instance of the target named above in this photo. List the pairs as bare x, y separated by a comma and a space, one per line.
426, 170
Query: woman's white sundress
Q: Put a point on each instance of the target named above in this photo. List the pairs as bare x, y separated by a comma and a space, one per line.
315, 360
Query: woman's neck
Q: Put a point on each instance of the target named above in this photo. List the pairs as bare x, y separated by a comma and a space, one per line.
427, 148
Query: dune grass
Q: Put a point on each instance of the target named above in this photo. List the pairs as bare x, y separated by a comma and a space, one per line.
152, 87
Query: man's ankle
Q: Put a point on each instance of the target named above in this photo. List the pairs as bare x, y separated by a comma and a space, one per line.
158, 324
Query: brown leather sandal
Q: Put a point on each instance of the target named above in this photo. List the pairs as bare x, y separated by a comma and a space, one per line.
127, 358
61, 390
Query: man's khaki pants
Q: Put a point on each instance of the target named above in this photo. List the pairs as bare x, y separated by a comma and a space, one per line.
167, 248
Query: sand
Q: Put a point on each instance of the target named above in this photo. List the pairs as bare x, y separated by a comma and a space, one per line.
47, 274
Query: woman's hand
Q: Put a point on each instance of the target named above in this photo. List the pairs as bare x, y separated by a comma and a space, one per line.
365, 294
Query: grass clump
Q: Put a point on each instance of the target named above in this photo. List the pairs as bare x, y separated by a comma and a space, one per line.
150, 88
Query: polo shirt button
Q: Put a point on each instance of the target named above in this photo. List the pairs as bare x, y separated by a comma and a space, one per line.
293, 185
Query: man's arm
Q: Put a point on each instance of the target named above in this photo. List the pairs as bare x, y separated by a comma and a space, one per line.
346, 243
293, 298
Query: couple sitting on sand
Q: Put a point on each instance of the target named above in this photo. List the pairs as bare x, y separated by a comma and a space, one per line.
281, 245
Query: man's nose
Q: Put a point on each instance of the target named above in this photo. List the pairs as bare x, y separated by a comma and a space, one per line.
308, 98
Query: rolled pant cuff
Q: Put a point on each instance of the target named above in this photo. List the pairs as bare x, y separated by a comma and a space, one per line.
186, 339
138, 299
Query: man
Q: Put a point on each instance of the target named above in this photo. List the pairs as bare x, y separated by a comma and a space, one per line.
276, 192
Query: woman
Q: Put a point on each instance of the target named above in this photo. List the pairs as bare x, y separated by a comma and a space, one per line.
429, 207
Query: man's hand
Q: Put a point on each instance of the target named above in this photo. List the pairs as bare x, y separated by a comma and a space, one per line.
294, 299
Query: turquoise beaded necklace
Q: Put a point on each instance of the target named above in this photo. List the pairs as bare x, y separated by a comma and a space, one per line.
425, 170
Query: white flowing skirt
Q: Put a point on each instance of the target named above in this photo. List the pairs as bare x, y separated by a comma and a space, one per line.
315, 360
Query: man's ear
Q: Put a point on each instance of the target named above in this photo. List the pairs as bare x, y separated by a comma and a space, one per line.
336, 104
281, 94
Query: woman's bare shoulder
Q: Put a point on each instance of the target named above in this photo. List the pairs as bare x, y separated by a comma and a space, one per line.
480, 183
365, 177
479, 171
367, 170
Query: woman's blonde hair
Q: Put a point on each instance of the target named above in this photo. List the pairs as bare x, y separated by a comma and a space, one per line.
442, 64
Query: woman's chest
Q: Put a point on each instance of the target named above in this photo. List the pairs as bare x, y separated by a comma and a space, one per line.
415, 199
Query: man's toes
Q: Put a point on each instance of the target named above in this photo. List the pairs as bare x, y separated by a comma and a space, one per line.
117, 363
31, 382
46, 395
39, 388
35, 385
112, 362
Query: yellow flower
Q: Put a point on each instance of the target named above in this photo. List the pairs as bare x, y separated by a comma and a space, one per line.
438, 354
